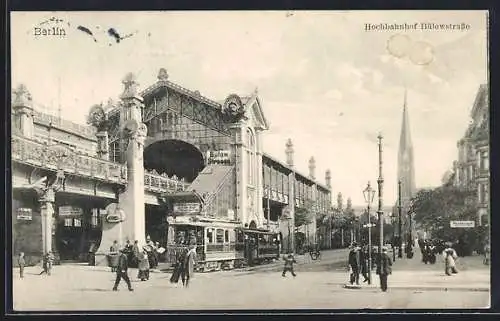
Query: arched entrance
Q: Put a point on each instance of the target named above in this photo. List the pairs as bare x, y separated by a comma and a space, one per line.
253, 225
174, 157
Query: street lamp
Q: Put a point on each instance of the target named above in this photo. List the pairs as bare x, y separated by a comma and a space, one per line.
393, 243
369, 194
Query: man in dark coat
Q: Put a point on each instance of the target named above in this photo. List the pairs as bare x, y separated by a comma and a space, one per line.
363, 257
136, 252
384, 268
122, 271
354, 263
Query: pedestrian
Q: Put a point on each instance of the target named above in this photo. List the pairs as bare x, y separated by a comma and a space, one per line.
113, 251
363, 257
289, 261
384, 268
487, 253
47, 262
143, 266
449, 262
189, 262
22, 263
122, 271
354, 263
136, 252
180, 256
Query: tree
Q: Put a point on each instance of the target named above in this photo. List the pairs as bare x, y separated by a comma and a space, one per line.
433, 209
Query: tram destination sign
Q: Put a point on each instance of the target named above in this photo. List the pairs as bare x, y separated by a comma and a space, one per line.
187, 208
24, 214
462, 224
70, 211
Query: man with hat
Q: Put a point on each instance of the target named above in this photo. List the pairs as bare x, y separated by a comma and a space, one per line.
354, 263
122, 271
384, 268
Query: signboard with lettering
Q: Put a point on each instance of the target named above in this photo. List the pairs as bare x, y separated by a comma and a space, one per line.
219, 157
462, 224
187, 208
24, 214
70, 211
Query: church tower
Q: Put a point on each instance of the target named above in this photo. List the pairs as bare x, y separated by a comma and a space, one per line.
406, 170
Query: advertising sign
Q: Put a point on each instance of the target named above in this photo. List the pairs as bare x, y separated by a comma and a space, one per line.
187, 208
219, 157
70, 211
462, 224
24, 214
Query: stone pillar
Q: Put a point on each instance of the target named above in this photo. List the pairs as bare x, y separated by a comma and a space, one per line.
134, 133
259, 178
47, 200
291, 191
23, 112
312, 168
328, 179
239, 158
103, 145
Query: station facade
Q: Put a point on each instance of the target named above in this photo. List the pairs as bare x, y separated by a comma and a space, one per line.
157, 156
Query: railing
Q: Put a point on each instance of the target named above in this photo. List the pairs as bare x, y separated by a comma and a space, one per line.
49, 120
221, 247
161, 183
56, 157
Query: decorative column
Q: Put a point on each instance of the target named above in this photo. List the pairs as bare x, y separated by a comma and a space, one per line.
98, 118
47, 200
23, 112
312, 226
380, 211
133, 135
239, 160
259, 178
46, 193
291, 192
328, 179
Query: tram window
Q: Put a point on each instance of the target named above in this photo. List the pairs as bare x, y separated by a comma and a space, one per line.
240, 236
210, 235
226, 236
68, 222
220, 235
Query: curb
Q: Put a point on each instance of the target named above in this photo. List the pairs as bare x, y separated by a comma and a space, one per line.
418, 288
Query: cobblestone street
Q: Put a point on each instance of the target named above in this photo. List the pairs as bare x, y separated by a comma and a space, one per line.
78, 287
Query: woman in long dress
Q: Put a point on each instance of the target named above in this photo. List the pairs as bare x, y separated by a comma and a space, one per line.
189, 262
143, 266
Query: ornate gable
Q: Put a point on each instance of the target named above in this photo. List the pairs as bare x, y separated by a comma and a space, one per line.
254, 112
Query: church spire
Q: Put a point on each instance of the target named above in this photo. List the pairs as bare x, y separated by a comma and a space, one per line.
406, 171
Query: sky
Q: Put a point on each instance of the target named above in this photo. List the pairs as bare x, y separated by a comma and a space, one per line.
323, 80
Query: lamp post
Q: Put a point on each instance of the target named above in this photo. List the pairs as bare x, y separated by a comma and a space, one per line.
393, 219
369, 194
380, 212
400, 229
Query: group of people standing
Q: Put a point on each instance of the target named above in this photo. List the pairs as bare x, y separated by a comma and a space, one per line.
359, 264
184, 264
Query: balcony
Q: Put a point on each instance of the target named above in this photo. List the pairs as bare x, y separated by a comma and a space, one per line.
55, 157
161, 183
49, 120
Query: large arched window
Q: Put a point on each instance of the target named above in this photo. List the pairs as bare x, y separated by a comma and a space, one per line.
251, 172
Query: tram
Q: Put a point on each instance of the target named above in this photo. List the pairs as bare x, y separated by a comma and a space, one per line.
220, 245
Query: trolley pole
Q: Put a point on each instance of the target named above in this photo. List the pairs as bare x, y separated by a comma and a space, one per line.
380, 212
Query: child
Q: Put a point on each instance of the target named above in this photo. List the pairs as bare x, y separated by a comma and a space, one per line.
48, 259
21, 263
289, 261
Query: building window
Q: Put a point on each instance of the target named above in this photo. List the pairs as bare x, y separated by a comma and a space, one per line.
77, 222
68, 222
226, 236
251, 157
94, 219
